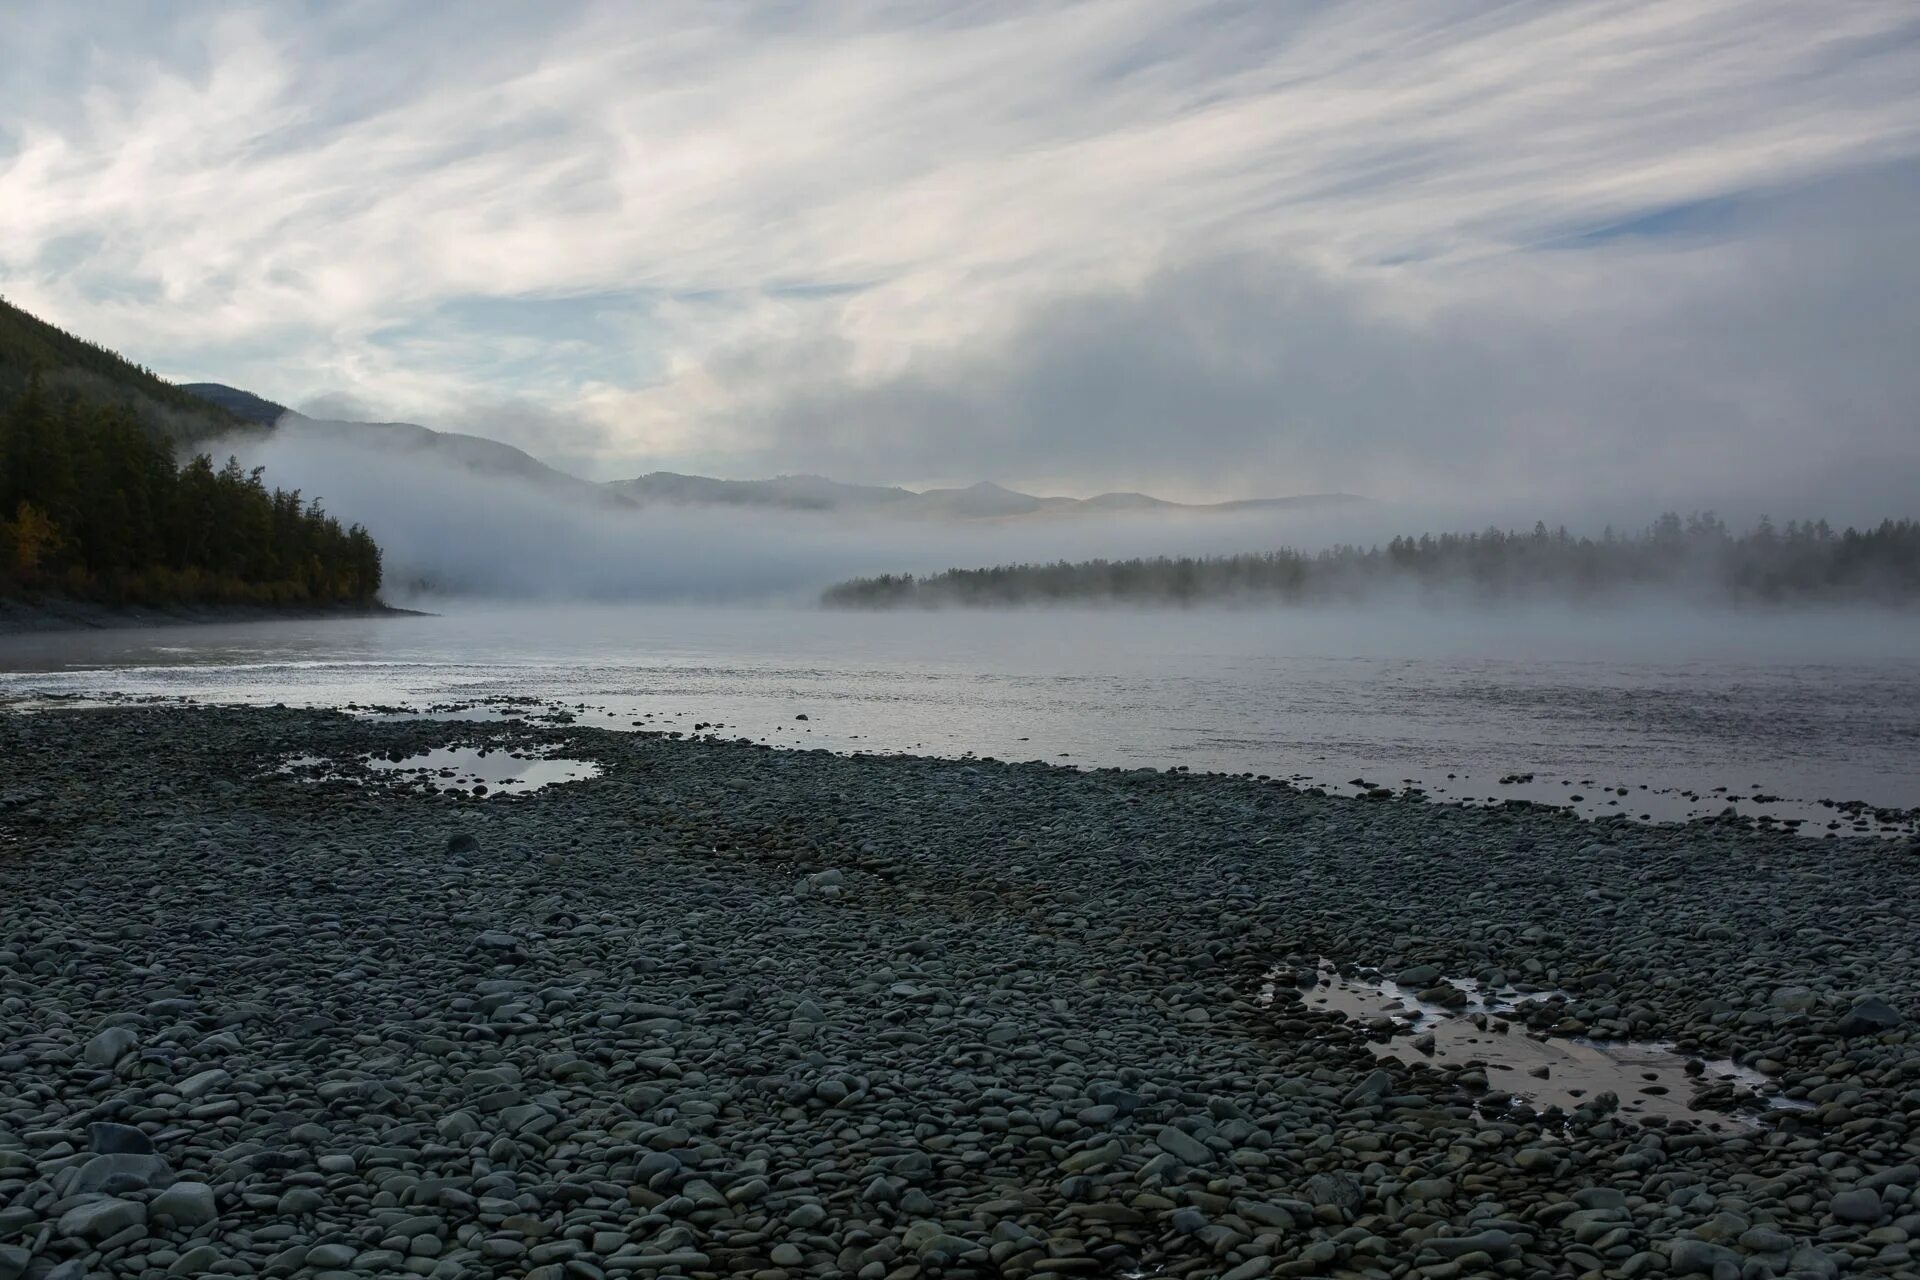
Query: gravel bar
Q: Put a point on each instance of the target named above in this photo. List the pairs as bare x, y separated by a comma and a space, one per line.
725, 1010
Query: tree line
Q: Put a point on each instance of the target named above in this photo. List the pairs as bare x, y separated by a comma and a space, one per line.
93, 505
1699, 555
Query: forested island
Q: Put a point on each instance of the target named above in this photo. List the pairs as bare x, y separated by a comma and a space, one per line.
1699, 555
95, 505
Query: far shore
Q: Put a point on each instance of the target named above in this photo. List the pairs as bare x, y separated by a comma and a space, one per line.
53, 614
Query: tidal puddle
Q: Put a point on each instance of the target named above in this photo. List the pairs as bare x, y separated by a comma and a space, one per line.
1650, 1080
491, 710
478, 771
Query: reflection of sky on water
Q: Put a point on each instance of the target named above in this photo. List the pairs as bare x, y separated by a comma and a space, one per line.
1801, 707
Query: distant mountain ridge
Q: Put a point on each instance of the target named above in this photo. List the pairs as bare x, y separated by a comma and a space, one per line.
477, 454
243, 405
982, 501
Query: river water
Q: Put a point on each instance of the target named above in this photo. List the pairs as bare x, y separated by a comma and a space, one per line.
1686, 712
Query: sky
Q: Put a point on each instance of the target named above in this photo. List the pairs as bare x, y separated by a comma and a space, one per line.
1416, 249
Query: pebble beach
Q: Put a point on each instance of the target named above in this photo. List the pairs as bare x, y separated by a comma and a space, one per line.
726, 1010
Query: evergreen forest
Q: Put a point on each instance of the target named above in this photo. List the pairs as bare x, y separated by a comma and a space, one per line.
94, 503
1699, 557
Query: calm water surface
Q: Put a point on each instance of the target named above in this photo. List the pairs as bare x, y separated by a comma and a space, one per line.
1804, 707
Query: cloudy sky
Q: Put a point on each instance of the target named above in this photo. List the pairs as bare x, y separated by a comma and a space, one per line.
1411, 248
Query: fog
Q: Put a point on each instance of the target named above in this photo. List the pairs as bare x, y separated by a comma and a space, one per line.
449, 532
459, 533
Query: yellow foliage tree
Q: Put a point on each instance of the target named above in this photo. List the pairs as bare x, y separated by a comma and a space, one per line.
34, 538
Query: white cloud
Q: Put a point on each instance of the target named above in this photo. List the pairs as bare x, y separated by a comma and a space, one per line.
831, 204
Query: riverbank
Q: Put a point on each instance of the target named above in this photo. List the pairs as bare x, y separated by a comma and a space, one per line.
54, 613
730, 1010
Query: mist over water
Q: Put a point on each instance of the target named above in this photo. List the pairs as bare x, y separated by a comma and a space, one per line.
450, 531
1660, 705
464, 533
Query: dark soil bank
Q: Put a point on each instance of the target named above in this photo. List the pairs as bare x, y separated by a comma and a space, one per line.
62, 614
725, 1010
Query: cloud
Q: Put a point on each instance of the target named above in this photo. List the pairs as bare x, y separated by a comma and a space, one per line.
1768, 364
913, 240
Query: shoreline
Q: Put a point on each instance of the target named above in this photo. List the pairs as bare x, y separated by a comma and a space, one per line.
1815, 817
51, 616
730, 1009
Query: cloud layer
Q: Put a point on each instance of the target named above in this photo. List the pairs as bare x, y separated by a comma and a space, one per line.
1421, 250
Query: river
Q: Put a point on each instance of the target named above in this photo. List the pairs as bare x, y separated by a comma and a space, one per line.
1665, 714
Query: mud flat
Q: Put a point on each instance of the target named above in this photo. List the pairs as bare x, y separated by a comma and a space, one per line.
270, 1008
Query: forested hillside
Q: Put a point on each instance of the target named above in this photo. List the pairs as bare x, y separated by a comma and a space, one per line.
1699, 557
94, 503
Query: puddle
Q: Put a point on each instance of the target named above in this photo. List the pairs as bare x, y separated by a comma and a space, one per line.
1651, 1080
476, 770
1645, 803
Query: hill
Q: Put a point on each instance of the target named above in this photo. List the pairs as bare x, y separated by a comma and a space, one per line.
483, 456
243, 405
95, 506
793, 493
29, 346
982, 501
453, 449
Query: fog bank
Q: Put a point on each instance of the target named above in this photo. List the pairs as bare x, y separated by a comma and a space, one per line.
448, 530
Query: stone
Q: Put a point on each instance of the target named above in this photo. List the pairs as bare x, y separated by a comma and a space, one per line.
114, 1174
1375, 1084
110, 1046
1600, 1198
462, 842
298, 1201
98, 1219
189, 1204
1495, 1243
1182, 1146
1334, 1190
1700, 1257
1870, 1016
1859, 1205
109, 1138
197, 1261
202, 1083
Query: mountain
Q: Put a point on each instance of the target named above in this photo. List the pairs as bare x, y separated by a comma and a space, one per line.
982, 501
244, 405
796, 493
476, 454
29, 346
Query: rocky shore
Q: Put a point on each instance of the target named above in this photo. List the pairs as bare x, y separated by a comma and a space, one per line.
731, 1011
